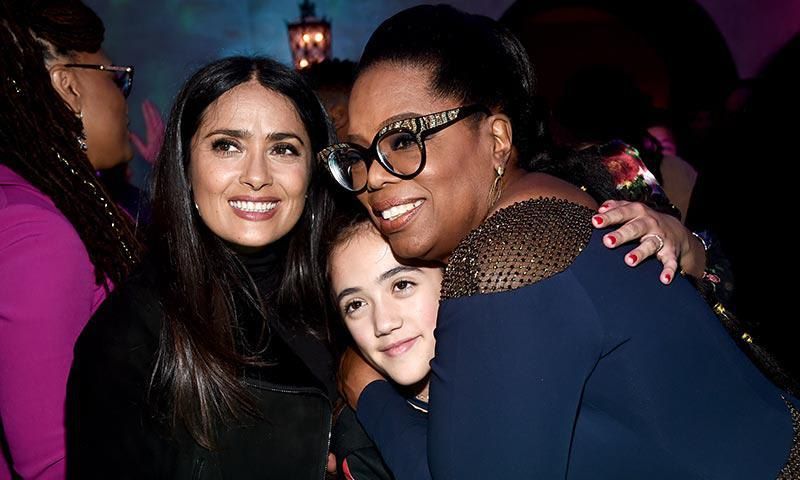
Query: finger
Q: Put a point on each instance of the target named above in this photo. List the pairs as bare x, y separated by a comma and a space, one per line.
618, 215
645, 249
668, 272
631, 231
331, 467
607, 205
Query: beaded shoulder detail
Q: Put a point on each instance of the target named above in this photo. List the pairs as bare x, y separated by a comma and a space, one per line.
517, 246
791, 470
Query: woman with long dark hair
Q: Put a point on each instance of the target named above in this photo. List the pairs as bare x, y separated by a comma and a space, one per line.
552, 359
63, 244
213, 360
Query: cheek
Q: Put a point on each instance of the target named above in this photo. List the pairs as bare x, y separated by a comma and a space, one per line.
363, 334
207, 179
294, 181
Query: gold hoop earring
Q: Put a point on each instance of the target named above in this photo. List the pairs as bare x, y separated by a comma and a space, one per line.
494, 192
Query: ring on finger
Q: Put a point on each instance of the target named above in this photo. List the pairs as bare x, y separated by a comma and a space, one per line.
658, 238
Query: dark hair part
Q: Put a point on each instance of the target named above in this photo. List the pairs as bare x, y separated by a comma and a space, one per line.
477, 60
198, 370
38, 139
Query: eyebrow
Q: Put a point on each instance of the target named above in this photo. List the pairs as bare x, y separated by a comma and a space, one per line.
272, 137
381, 278
346, 292
394, 271
388, 121
276, 136
231, 133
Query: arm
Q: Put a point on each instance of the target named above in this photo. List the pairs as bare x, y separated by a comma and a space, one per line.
113, 431
399, 431
46, 295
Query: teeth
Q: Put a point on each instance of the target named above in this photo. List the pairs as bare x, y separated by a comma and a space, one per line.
253, 207
397, 210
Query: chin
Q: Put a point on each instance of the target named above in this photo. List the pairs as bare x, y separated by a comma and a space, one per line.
407, 245
407, 378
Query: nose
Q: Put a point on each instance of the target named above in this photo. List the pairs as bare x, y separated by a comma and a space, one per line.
256, 172
378, 177
386, 321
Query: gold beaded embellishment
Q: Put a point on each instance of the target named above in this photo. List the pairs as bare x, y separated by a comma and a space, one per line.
517, 246
791, 470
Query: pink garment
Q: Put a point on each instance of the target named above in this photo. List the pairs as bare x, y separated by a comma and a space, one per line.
47, 294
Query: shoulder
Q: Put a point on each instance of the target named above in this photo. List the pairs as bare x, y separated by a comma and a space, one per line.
15, 190
517, 246
127, 326
533, 185
27, 217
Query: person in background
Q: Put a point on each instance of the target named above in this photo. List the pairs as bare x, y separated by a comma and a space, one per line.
63, 244
332, 80
602, 103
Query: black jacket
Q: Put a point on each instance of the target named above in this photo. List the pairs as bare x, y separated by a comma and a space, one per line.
114, 431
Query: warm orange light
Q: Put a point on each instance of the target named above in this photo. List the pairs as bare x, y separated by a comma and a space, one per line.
309, 37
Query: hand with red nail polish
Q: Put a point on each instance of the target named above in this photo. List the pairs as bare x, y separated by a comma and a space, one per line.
658, 234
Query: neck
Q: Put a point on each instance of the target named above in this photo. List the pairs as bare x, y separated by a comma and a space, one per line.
420, 389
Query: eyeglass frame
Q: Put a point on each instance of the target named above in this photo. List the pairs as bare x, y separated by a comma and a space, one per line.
421, 127
125, 88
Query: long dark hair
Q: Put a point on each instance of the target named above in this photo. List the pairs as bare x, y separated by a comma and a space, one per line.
38, 131
198, 370
477, 60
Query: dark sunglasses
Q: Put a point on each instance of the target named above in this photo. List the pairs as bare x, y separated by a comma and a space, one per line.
122, 76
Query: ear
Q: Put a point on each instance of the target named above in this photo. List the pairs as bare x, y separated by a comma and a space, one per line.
502, 137
66, 83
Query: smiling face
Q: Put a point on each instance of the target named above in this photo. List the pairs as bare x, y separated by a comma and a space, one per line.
389, 307
250, 166
426, 216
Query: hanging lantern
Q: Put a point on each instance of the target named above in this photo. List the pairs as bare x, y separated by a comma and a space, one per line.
309, 38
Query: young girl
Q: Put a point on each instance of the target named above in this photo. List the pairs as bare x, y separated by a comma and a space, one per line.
388, 306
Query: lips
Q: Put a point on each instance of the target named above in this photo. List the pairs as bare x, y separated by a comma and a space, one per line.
398, 348
394, 214
254, 208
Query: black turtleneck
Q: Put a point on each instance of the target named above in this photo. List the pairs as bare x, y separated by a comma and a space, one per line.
294, 356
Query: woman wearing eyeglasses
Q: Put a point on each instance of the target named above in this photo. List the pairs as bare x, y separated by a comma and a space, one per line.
63, 244
553, 360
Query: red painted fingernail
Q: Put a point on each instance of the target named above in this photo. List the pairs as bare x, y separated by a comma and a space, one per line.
612, 239
668, 277
633, 258
598, 220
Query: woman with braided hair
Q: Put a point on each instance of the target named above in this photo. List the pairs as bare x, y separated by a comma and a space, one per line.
63, 244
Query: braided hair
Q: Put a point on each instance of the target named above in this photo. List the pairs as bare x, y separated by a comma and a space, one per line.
38, 135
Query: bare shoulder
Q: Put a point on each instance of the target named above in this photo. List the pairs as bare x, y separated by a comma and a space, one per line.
540, 185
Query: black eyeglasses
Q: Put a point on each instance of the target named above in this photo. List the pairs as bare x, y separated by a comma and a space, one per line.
122, 76
399, 148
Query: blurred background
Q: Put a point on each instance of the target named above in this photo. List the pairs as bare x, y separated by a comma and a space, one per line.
691, 58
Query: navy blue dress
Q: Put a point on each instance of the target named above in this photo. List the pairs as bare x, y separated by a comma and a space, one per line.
556, 360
